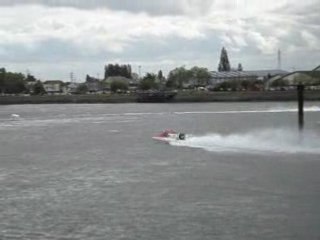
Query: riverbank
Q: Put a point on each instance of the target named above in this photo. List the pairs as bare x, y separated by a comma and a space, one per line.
46, 99
245, 96
183, 96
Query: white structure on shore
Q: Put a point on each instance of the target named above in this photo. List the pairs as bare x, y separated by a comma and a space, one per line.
219, 77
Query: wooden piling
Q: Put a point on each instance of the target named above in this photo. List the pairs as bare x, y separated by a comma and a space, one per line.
300, 90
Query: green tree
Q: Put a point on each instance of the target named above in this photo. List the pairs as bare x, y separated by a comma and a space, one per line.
148, 82
31, 78
161, 80
14, 83
224, 64
240, 68
82, 88
245, 84
116, 70
129, 71
160, 75
178, 76
2, 79
119, 85
38, 88
201, 76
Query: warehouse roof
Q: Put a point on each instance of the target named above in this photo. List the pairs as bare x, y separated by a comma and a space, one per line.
256, 73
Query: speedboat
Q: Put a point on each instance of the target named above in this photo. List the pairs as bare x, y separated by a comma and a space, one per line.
169, 135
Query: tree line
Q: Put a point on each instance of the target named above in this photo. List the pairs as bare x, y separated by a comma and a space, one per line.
178, 78
112, 70
15, 83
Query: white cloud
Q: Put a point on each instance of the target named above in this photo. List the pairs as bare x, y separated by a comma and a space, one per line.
266, 44
116, 30
311, 40
96, 29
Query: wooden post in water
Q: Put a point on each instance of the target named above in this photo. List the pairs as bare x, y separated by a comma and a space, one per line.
300, 89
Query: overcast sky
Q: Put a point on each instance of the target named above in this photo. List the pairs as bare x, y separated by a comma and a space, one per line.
51, 38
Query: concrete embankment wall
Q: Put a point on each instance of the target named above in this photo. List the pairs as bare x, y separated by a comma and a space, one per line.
180, 97
102, 98
245, 96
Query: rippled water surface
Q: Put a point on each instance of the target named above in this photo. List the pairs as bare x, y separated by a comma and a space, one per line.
93, 172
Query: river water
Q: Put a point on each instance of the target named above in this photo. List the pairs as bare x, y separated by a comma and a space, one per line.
93, 172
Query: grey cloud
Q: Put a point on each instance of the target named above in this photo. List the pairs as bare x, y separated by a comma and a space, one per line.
55, 50
159, 7
304, 13
164, 7
147, 48
310, 7
42, 60
50, 51
308, 16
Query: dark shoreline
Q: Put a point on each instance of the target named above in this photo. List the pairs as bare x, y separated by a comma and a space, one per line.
181, 97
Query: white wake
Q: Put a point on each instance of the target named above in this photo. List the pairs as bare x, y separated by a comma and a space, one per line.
271, 110
257, 142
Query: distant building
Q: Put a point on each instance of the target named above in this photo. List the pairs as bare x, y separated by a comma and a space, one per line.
53, 86
297, 77
219, 77
71, 88
94, 85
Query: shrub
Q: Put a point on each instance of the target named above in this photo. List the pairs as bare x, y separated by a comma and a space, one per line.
119, 86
